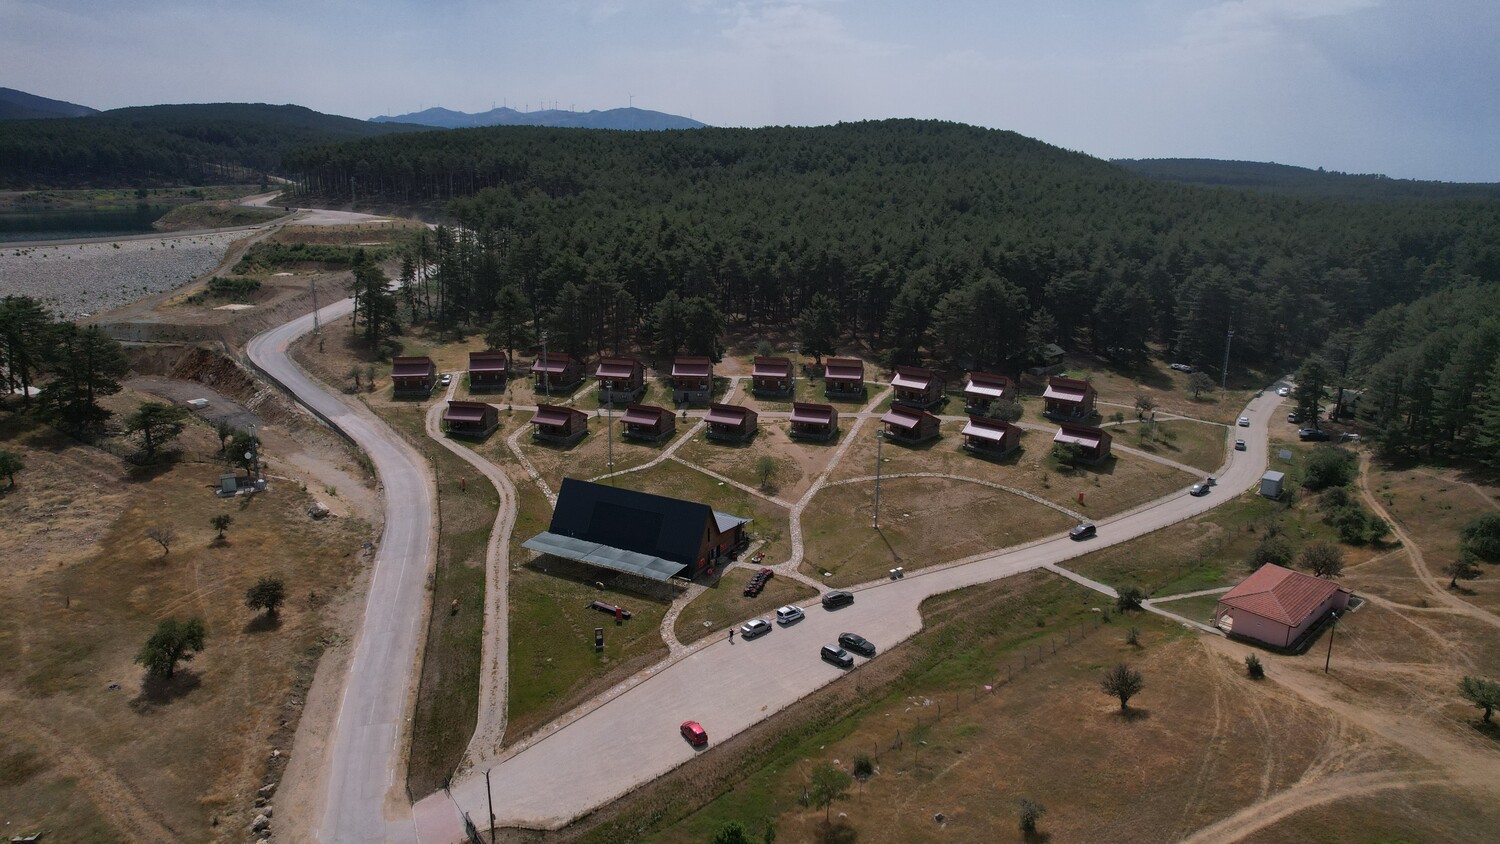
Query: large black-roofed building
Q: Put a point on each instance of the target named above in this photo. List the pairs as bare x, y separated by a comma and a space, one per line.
638, 533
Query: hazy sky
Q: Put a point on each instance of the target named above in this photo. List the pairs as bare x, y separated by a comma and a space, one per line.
1410, 88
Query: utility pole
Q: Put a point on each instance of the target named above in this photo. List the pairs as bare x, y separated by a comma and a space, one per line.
317, 325
879, 438
609, 430
546, 376
1331, 633
491, 799
1224, 373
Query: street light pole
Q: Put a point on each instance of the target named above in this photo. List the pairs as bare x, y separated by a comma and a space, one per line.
1224, 373
879, 438
491, 799
1331, 633
546, 376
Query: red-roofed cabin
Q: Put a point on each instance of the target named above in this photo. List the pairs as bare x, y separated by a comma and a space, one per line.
1093, 443
557, 424
470, 419
621, 380
692, 379
1278, 606
488, 371
910, 425
413, 377
844, 378
990, 437
918, 387
814, 421
731, 422
771, 376
1068, 398
556, 371
984, 390
648, 422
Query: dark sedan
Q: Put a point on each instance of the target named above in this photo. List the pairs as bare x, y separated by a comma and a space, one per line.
857, 643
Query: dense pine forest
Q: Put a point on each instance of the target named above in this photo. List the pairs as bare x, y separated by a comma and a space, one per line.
927, 241
1301, 181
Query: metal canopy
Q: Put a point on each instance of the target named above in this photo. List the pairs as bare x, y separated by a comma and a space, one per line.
594, 554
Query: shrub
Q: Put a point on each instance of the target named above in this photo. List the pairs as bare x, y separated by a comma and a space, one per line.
863, 767
1129, 597
1254, 668
1328, 466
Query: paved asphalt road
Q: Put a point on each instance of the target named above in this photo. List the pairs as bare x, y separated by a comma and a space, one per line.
365, 800
727, 687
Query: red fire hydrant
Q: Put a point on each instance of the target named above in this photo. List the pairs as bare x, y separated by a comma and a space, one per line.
1080, 498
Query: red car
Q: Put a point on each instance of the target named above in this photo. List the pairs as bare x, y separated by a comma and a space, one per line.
694, 733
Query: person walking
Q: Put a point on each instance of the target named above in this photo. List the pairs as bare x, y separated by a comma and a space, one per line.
731, 635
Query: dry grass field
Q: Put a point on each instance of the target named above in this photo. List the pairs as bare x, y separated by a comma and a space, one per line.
1432, 505
724, 604
1197, 444
91, 750
796, 463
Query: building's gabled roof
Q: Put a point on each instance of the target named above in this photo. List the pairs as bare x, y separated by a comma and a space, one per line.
729, 414
1280, 594
604, 556
1084, 435
552, 414
767, 367
644, 414
1067, 389
988, 385
906, 417
692, 367
553, 363
465, 411
814, 414
488, 362
725, 522
915, 378
412, 367
623, 367
654, 525
844, 369
993, 430
1052, 350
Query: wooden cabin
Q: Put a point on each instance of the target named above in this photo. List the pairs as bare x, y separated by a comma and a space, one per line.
814, 421
488, 371
984, 390
556, 371
622, 380
731, 422
1093, 443
990, 437
692, 379
1070, 399
918, 387
557, 424
648, 422
844, 378
771, 376
470, 419
413, 377
910, 425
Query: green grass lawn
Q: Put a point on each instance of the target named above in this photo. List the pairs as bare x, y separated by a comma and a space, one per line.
1197, 444
1200, 608
724, 605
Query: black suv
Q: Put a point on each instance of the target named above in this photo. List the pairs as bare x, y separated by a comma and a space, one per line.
838, 598
856, 643
837, 655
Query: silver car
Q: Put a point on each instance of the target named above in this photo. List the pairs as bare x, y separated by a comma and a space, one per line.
788, 615
755, 627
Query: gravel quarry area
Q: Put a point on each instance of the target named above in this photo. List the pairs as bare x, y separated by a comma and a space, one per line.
82, 279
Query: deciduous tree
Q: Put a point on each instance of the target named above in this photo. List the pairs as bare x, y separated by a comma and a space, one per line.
1481, 537
828, 784
1199, 383
268, 594
173, 642
1484, 694
162, 535
221, 523
1323, 559
10, 464
1122, 682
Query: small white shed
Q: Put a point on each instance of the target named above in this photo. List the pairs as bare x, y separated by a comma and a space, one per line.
1271, 484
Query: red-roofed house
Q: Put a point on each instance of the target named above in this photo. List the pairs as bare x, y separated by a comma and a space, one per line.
990, 437
648, 422
692, 379
814, 421
844, 378
557, 424
1068, 398
413, 377
1278, 606
488, 371
470, 418
910, 425
771, 376
918, 387
731, 422
984, 389
1093, 443
622, 380
556, 371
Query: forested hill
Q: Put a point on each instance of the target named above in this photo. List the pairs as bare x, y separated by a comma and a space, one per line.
615, 118
1300, 181
932, 241
168, 143
19, 105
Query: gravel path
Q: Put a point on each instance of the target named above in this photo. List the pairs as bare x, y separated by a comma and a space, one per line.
77, 280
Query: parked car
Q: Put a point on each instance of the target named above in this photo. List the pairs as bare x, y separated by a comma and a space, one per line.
694, 733
1348, 437
754, 628
857, 643
1239, 445
837, 598
1244, 421
1198, 490
1184, 367
1083, 531
1284, 391
837, 655
446, 379
1312, 435
788, 615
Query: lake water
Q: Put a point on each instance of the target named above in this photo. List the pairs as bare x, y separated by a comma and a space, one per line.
17, 224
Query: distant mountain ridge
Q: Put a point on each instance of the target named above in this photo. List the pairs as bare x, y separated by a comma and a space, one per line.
19, 105
637, 119
1270, 177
